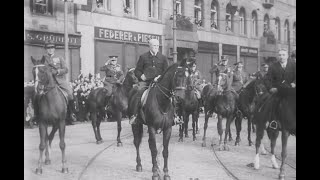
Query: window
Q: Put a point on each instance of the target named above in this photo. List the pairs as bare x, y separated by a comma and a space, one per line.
129, 7
266, 24
179, 7
254, 27
242, 21
277, 28
198, 12
43, 7
294, 32
154, 8
286, 31
214, 15
103, 4
229, 18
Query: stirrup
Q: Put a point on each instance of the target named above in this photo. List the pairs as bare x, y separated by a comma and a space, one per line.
273, 125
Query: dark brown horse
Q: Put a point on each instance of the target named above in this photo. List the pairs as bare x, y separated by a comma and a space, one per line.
159, 114
52, 107
188, 106
98, 99
283, 119
246, 105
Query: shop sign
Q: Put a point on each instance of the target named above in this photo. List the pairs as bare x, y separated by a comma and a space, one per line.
124, 36
40, 37
228, 49
248, 51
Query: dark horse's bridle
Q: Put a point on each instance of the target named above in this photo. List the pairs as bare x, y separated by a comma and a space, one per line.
37, 82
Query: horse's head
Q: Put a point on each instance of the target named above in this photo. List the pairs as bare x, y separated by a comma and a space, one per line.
131, 77
42, 75
259, 86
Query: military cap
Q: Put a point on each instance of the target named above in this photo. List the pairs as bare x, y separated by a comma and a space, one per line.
240, 63
224, 58
191, 61
49, 44
112, 58
264, 64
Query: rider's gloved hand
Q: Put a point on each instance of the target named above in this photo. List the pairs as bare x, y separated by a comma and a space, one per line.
156, 78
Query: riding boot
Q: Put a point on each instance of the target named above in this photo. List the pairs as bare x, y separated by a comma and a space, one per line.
70, 110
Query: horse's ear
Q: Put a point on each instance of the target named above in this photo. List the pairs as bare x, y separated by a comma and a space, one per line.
43, 59
33, 61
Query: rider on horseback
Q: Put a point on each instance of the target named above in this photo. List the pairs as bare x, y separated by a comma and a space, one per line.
221, 67
149, 68
114, 75
196, 79
59, 71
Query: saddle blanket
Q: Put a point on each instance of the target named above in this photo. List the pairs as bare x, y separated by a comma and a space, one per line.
144, 96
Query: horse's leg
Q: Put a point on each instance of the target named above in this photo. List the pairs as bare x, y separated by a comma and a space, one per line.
259, 136
194, 121
62, 128
249, 130
206, 118
284, 138
220, 131
181, 128
228, 130
238, 123
230, 136
186, 122
154, 152
93, 117
253, 126
273, 136
137, 130
42, 146
165, 152
119, 117
100, 117
48, 144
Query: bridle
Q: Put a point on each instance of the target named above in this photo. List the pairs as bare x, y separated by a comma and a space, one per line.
37, 82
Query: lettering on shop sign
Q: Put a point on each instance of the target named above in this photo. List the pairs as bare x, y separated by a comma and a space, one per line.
40, 37
128, 36
248, 51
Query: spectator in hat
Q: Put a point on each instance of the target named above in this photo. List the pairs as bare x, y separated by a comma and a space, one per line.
263, 71
114, 74
149, 67
59, 70
221, 67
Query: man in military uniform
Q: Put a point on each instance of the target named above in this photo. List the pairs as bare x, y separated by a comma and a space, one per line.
221, 67
263, 71
114, 74
59, 70
239, 77
196, 79
150, 66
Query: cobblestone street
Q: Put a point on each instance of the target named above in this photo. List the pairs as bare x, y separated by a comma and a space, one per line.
187, 160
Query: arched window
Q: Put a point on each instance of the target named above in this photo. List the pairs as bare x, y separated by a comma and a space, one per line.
294, 32
198, 12
229, 18
254, 25
286, 31
266, 23
214, 15
277, 28
242, 21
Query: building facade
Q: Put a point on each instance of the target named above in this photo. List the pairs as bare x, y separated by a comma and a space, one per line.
251, 31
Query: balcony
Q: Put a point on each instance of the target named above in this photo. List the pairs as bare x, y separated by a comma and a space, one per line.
268, 4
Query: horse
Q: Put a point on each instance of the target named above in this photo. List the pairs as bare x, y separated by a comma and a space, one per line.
285, 115
52, 108
246, 105
98, 99
159, 113
188, 105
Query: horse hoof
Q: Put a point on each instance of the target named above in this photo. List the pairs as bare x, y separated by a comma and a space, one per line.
156, 177
65, 170
139, 168
204, 145
99, 142
38, 171
119, 144
281, 176
166, 177
250, 143
180, 140
47, 162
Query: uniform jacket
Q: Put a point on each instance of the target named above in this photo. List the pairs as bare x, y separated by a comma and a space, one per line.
113, 73
217, 69
239, 79
277, 76
151, 66
196, 79
58, 63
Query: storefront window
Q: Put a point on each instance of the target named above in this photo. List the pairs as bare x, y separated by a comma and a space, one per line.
43, 7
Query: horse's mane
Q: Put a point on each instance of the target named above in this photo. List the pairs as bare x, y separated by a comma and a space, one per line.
175, 65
